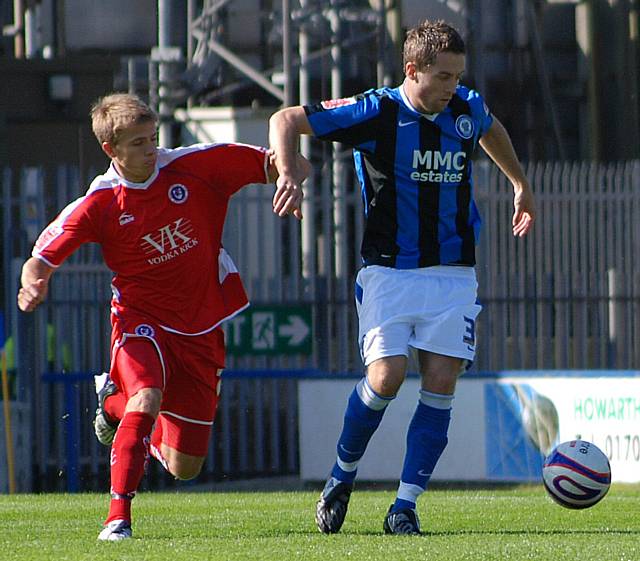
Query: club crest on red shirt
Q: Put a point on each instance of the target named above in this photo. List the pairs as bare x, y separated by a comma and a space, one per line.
178, 193
144, 330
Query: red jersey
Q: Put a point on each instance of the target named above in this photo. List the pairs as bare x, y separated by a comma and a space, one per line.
162, 238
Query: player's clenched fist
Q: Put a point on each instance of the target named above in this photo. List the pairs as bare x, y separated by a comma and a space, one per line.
35, 284
32, 295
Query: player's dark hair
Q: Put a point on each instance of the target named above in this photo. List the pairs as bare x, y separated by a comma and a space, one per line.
429, 38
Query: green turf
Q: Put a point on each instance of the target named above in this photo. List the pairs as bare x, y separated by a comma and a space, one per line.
479, 525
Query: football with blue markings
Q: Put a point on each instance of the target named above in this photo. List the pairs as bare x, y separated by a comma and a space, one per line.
576, 474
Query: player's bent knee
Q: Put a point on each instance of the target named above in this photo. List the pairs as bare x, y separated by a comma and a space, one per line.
185, 467
146, 400
185, 473
386, 375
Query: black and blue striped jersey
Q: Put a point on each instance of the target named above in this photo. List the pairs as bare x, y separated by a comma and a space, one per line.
415, 173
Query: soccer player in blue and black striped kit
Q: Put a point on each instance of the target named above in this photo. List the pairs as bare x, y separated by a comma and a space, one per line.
417, 288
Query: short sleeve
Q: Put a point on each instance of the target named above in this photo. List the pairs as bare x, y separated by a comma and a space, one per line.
73, 227
351, 120
226, 167
482, 112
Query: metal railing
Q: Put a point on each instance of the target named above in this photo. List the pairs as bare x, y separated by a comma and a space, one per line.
566, 297
255, 433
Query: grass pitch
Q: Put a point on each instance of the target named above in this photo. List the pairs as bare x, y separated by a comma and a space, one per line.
480, 525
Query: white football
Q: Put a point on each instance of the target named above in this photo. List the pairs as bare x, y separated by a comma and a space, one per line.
576, 474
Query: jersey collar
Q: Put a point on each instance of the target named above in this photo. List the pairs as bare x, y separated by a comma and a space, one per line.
405, 100
112, 173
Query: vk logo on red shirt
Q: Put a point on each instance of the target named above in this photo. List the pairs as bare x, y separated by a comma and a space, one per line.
169, 241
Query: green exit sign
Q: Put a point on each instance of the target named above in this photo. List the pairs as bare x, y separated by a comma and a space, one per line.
270, 330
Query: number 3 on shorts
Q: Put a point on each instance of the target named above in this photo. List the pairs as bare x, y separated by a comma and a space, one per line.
469, 336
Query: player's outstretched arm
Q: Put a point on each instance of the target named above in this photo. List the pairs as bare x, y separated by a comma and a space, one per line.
285, 128
35, 284
497, 144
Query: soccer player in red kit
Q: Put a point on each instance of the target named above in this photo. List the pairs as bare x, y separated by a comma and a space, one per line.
158, 215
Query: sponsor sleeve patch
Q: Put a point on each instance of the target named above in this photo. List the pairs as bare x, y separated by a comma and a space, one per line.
47, 236
333, 103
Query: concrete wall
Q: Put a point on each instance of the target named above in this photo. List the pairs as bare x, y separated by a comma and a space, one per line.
36, 129
502, 427
113, 25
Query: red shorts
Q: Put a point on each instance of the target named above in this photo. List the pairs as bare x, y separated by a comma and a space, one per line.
186, 369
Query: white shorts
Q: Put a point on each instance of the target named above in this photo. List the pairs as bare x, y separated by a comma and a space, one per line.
433, 309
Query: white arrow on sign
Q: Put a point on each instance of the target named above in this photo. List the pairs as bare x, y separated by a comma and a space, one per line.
296, 329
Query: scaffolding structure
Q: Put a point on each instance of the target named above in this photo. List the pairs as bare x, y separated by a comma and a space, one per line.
563, 75
313, 49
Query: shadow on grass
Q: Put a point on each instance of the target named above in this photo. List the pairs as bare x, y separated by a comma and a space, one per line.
346, 534
451, 533
563, 532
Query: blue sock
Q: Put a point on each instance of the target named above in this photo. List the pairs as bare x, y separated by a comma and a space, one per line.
426, 440
361, 419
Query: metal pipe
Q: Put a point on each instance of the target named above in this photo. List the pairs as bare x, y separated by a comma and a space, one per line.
586, 22
396, 34
245, 68
164, 41
191, 40
634, 73
18, 29
309, 248
338, 184
8, 433
543, 75
132, 75
341, 267
191, 11
381, 67
31, 31
286, 52
295, 234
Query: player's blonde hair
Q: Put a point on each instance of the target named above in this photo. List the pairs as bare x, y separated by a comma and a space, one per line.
426, 40
113, 113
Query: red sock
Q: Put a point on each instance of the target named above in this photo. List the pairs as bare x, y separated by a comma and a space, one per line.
156, 442
114, 405
156, 435
129, 453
